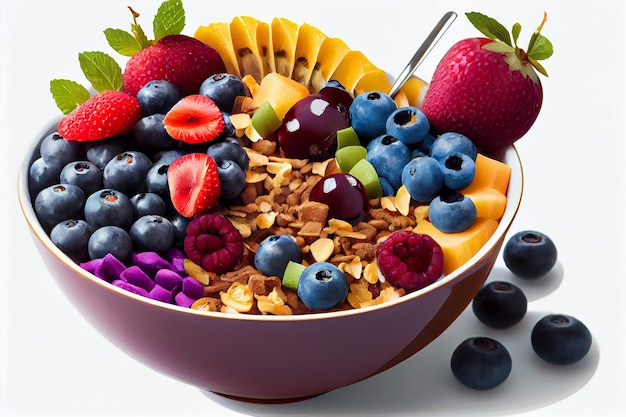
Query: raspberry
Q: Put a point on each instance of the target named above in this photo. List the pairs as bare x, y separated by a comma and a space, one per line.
410, 260
213, 243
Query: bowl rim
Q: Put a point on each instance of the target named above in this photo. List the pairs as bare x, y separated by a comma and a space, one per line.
510, 154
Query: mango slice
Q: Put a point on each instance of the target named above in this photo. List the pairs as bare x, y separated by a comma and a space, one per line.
373, 81
310, 40
413, 92
266, 50
243, 31
458, 248
331, 53
217, 35
284, 40
490, 173
352, 68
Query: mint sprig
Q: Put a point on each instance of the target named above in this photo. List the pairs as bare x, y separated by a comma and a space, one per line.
101, 70
539, 47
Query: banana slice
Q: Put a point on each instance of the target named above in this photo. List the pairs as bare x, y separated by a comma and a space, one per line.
243, 30
218, 36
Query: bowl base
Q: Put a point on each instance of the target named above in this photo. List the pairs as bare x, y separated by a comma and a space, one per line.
266, 400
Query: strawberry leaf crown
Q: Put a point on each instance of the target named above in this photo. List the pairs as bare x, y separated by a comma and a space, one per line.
526, 61
101, 70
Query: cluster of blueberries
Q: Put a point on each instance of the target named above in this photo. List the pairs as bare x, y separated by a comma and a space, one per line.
112, 195
403, 152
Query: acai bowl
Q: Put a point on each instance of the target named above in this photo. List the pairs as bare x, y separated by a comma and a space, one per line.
327, 350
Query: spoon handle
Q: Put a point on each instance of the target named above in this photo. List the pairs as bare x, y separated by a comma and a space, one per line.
434, 36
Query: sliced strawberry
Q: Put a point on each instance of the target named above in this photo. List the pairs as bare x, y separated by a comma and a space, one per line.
194, 183
102, 116
194, 119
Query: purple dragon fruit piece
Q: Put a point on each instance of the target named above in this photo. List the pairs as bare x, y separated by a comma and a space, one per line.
131, 288
169, 280
150, 262
135, 275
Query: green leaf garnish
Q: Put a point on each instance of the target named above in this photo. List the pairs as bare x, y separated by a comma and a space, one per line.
102, 71
122, 42
68, 94
169, 19
489, 27
539, 47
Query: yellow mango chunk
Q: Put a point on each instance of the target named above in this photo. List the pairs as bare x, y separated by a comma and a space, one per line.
458, 248
284, 40
331, 53
413, 90
243, 31
310, 40
282, 93
489, 202
490, 173
217, 36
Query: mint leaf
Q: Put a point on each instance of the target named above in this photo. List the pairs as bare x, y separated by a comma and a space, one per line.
489, 27
122, 42
101, 70
169, 19
541, 47
68, 94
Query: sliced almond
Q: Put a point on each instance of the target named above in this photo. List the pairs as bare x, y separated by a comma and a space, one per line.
196, 271
255, 177
266, 220
339, 224
322, 249
256, 159
370, 273
388, 203
240, 122
403, 200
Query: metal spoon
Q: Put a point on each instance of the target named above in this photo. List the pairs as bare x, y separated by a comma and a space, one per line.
434, 36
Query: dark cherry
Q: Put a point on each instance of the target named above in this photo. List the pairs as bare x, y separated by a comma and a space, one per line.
309, 129
343, 193
337, 96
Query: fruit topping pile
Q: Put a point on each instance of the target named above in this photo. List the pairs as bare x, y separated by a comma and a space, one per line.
262, 167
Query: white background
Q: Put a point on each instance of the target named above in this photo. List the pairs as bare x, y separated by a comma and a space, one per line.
53, 363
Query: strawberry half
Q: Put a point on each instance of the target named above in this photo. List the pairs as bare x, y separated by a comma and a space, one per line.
182, 60
194, 183
107, 114
194, 119
487, 88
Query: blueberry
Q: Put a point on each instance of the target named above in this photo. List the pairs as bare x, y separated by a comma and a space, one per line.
425, 144
529, 254
110, 240
102, 151
56, 150
109, 207
274, 253
229, 149
59, 202
147, 203
481, 363
180, 224
229, 129
158, 96
388, 156
156, 179
322, 286
500, 304
386, 187
458, 170
452, 212
84, 174
41, 175
560, 339
232, 180
72, 237
149, 134
369, 113
451, 142
408, 124
167, 157
126, 172
223, 88
152, 233
423, 178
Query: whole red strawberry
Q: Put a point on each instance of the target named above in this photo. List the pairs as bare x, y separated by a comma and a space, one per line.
487, 88
107, 114
182, 60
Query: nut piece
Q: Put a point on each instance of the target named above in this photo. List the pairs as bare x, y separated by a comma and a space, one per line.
196, 271
238, 297
322, 249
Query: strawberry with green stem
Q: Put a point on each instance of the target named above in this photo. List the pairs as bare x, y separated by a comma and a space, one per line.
488, 88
